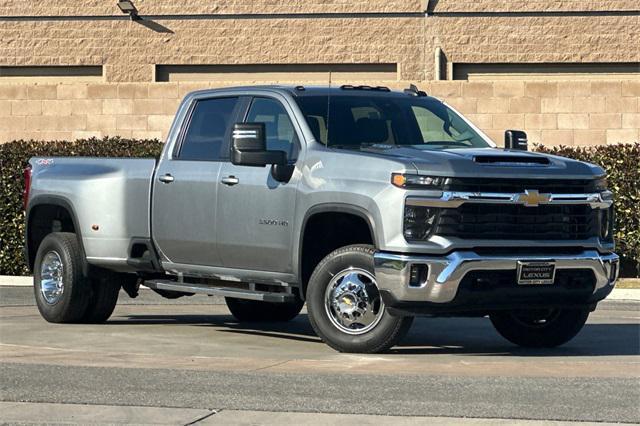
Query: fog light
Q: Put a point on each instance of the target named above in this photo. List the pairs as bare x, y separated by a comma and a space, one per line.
419, 222
418, 275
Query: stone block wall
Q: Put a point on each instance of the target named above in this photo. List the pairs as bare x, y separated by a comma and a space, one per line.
128, 102
553, 113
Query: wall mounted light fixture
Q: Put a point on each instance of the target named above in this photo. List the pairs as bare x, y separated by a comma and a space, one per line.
127, 6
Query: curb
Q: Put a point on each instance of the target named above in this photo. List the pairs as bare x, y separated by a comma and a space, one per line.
629, 294
624, 294
15, 281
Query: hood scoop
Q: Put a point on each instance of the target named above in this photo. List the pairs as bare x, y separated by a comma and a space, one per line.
511, 160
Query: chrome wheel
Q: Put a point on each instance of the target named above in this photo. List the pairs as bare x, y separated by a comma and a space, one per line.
352, 301
51, 283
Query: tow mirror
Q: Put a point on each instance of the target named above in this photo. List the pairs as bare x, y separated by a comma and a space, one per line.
249, 147
515, 139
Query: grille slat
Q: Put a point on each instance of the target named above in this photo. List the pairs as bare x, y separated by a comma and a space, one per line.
516, 222
556, 186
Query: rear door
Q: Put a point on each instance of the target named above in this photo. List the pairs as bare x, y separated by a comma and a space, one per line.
186, 185
256, 212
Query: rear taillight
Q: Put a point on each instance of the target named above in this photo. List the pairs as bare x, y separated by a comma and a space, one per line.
27, 186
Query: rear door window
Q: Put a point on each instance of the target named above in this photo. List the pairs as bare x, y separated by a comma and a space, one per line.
208, 129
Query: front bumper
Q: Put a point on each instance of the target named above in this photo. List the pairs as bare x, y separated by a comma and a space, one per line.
446, 290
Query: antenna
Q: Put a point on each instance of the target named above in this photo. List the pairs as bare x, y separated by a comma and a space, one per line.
328, 106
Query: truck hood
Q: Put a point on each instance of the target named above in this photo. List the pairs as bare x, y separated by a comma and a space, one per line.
487, 162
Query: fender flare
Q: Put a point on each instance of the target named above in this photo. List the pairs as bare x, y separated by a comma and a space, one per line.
59, 201
331, 208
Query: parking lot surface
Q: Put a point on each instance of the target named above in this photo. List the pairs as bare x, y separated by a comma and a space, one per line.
191, 354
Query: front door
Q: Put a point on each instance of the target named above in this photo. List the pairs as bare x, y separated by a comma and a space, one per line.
186, 185
255, 212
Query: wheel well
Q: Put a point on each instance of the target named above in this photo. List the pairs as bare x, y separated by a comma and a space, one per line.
43, 220
327, 231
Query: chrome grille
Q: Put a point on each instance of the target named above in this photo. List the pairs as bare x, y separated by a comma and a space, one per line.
517, 222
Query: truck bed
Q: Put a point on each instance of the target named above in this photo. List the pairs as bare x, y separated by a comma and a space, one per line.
109, 197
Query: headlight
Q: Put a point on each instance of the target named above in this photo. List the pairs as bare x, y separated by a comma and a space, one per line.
600, 185
419, 222
416, 181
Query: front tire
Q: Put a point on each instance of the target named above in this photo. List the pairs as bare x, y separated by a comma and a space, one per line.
257, 311
61, 291
540, 328
345, 307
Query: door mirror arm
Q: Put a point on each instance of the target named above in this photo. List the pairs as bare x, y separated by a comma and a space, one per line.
282, 172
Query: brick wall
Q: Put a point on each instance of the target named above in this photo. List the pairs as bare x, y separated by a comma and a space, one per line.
555, 39
129, 50
552, 113
108, 7
128, 103
535, 5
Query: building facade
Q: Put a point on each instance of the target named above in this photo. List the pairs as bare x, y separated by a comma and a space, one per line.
567, 72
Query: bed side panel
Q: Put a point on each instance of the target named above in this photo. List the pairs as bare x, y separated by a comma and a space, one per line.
110, 197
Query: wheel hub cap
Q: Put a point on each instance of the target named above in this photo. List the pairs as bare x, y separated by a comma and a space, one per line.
352, 301
51, 283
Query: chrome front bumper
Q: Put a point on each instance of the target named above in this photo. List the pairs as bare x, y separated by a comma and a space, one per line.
445, 273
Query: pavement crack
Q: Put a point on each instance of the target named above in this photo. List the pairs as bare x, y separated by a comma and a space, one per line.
201, 418
271, 365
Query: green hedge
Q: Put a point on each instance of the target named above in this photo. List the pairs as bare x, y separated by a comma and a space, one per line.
13, 159
622, 163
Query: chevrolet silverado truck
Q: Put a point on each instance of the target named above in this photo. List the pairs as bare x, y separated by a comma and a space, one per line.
372, 206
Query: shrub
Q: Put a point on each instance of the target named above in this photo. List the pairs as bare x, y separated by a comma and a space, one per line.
13, 159
622, 164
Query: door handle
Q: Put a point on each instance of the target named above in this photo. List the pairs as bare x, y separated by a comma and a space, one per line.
166, 178
230, 180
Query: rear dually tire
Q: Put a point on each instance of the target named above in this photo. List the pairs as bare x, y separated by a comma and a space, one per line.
540, 328
61, 291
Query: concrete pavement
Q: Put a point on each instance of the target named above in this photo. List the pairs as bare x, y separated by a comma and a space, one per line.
190, 354
30, 413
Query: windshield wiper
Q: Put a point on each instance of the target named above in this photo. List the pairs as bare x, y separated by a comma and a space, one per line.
447, 143
364, 145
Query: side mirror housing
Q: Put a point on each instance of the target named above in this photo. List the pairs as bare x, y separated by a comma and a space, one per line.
249, 147
515, 139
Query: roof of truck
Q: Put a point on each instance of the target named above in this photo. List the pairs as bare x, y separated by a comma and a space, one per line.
301, 91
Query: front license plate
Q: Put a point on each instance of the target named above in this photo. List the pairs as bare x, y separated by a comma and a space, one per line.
536, 273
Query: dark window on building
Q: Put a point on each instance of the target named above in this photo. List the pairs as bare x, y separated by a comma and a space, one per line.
54, 74
545, 71
278, 72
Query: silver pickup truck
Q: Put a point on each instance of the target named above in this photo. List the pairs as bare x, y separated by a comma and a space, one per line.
372, 206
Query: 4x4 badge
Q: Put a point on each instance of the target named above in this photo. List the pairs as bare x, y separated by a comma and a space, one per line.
532, 198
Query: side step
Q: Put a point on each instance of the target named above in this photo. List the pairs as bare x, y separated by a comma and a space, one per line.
238, 293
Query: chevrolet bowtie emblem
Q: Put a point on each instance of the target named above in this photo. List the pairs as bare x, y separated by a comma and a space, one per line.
532, 198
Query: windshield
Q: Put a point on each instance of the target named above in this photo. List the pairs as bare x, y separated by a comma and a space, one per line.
357, 121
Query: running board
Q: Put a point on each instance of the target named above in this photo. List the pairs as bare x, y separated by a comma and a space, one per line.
238, 293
